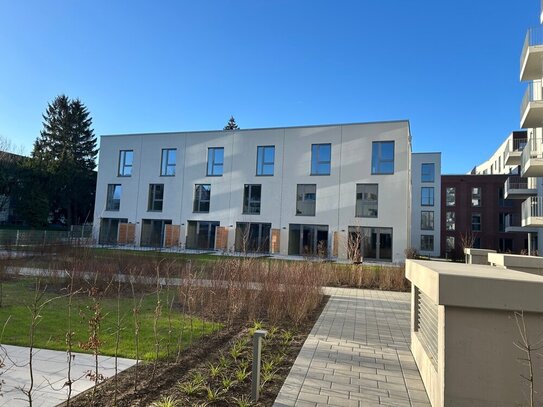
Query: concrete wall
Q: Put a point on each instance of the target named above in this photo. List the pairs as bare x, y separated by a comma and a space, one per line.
416, 164
336, 193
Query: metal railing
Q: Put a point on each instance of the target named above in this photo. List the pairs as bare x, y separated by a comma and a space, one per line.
426, 324
516, 183
11, 238
533, 149
534, 36
532, 208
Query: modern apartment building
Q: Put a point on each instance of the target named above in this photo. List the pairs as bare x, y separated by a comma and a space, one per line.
311, 190
426, 203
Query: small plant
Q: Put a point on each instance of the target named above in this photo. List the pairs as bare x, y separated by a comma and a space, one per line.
268, 366
243, 401
166, 402
237, 349
272, 332
190, 388
214, 370
213, 395
278, 359
224, 362
267, 377
287, 337
257, 325
227, 383
241, 374
198, 378
243, 363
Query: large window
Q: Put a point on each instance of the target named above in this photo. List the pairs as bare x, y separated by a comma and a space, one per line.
427, 243
251, 199
427, 196
265, 159
476, 222
428, 172
382, 157
156, 197
202, 198
320, 159
167, 167
366, 200
427, 220
126, 159
306, 198
449, 243
215, 161
450, 220
113, 202
450, 196
476, 196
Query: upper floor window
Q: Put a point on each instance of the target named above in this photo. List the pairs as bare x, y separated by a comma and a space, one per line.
215, 161
476, 196
265, 159
450, 221
156, 197
366, 200
427, 220
450, 196
202, 198
126, 158
321, 159
428, 172
476, 222
113, 202
167, 167
251, 199
306, 198
382, 157
427, 196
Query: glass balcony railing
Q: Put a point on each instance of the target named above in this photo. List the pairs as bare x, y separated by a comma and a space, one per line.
534, 37
533, 149
534, 93
532, 208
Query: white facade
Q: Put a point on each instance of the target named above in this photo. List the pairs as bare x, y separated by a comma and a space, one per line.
426, 194
350, 164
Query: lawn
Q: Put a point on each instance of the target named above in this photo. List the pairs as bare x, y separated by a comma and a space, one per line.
52, 327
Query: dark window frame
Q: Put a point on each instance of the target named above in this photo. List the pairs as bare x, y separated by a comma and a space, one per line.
213, 165
431, 220
361, 203
113, 204
261, 162
248, 199
377, 159
165, 165
155, 203
317, 161
431, 197
431, 174
300, 190
123, 166
198, 201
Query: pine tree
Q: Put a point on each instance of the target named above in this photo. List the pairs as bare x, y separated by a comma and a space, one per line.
231, 125
65, 152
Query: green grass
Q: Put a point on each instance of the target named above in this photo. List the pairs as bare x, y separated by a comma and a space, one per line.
53, 322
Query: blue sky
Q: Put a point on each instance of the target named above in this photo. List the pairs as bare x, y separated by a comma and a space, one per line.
451, 68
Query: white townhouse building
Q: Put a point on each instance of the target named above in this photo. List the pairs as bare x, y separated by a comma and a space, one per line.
426, 206
308, 190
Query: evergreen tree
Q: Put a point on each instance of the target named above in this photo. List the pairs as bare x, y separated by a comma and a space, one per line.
65, 152
231, 125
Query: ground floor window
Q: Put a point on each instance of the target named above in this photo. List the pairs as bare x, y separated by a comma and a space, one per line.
427, 243
308, 240
201, 234
374, 243
152, 232
109, 230
253, 237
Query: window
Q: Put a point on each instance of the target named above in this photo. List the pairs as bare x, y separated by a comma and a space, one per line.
476, 222
156, 197
251, 199
427, 220
202, 198
366, 200
427, 242
126, 158
382, 157
113, 202
215, 161
320, 159
427, 196
450, 221
449, 243
167, 167
265, 158
450, 196
306, 198
428, 172
476, 196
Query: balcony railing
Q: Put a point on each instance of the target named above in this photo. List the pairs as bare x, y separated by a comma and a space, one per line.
534, 37
533, 93
532, 208
516, 183
533, 149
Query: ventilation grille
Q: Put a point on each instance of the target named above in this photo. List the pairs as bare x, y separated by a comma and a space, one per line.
426, 324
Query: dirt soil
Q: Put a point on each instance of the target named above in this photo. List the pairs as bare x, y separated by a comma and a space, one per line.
164, 379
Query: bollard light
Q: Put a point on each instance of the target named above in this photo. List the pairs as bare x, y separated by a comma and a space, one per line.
255, 374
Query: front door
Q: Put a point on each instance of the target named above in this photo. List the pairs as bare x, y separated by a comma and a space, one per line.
376, 243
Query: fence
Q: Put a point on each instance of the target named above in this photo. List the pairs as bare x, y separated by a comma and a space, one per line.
28, 239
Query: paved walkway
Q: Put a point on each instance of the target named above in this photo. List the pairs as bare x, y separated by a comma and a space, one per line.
357, 355
50, 372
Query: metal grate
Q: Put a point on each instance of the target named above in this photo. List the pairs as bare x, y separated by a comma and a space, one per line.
426, 324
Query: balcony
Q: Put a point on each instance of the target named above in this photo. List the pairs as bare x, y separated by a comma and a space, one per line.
519, 188
513, 151
531, 109
531, 59
532, 158
532, 212
513, 224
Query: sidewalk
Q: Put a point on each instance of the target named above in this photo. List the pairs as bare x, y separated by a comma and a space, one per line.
357, 355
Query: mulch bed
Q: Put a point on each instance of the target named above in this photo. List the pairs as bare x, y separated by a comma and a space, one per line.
280, 351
